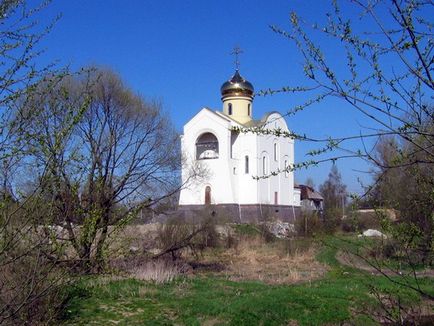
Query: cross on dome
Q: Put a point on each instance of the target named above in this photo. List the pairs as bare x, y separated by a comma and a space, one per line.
236, 52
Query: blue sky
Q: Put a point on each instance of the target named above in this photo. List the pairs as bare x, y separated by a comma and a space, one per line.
178, 52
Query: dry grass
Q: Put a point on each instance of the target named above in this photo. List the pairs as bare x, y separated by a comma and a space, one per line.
247, 258
141, 268
142, 237
159, 271
254, 259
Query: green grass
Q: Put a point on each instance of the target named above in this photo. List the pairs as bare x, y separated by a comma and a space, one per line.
216, 301
365, 246
247, 229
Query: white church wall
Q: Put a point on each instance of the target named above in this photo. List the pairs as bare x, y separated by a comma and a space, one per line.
218, 171
297, 197
264, 169
282, 183
226, 175
243, 183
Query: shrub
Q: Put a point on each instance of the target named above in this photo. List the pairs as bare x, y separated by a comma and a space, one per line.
389, 249
231, 241
266, 233
175, 236
308, 224
171, 234
208, 236
30, 274
349, 225
332, 220
30, 287
247, 230
360, 221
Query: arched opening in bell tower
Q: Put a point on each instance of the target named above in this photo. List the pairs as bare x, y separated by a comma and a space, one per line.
207, 147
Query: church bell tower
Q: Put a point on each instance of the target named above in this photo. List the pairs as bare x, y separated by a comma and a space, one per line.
237, 98
237, 95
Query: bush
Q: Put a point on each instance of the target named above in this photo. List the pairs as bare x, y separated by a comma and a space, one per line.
308, 224
30, 287
261, 230
349, 225
231, 241
266, 233
171, 234
175, 236
360, 221
389, 250
31, 277
332, 220
247, 230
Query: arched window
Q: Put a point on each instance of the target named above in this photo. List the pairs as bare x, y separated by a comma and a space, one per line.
275, 151
207, 147
207, 195
230, 108
248, 109
264, 165
246, 164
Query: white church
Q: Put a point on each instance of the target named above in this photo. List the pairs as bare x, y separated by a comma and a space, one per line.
233, 160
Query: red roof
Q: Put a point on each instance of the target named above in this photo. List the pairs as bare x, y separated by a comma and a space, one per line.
308, 192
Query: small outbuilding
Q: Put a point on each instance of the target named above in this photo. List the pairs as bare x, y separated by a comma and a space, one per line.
311, 200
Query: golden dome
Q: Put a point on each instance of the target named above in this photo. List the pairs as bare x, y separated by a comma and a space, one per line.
237, 86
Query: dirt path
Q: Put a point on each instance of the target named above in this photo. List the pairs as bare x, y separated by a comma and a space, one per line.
348, 259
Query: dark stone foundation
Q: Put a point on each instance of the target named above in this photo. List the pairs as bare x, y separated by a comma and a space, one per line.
233, 213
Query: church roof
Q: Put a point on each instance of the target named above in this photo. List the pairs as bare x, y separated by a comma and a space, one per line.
252, 123
220, 114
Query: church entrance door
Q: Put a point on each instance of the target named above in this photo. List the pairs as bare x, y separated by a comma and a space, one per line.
207, 195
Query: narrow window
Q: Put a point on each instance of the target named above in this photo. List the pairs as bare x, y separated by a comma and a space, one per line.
286, 168
264, 168
275, 151
230, 108
246, 163
276, 198
248, 109
234, 136
208, 195
235, 170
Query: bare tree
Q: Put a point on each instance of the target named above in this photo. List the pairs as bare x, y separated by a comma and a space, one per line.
309, 182
122, 156
335, 194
